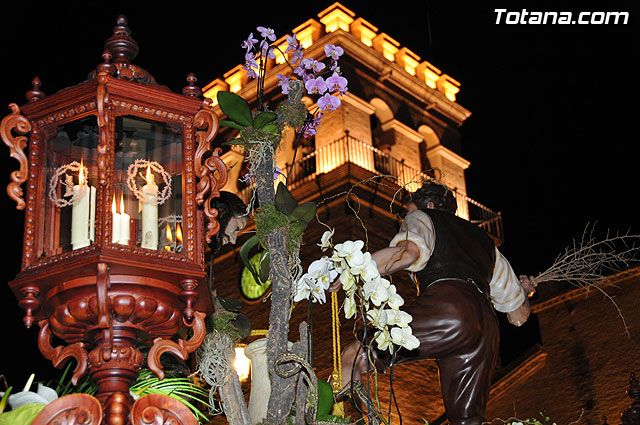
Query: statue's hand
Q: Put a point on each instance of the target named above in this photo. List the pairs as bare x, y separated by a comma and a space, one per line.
527, 285
520, 315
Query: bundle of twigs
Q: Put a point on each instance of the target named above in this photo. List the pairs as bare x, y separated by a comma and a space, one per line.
588, 262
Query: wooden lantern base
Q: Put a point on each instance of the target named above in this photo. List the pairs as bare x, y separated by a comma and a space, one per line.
103, 318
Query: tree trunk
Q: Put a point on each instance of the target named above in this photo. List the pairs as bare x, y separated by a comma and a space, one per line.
282, 390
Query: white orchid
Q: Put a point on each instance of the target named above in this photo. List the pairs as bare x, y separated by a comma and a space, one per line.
348, 281
325, 241
351, 251
397, 318
359, 276
383, 340
323, 272
303, 287
366, 268
318, 293
404, 338
395, 301
377, 290
350, 306
377, 317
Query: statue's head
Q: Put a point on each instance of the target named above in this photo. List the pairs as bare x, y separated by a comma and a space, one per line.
434, 196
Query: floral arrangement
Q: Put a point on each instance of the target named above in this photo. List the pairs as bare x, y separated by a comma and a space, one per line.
365, 289
308, 76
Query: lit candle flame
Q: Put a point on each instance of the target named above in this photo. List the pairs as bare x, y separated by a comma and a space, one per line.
178, 233
81, 174
121, 203
168, 233
149, 177
113, 204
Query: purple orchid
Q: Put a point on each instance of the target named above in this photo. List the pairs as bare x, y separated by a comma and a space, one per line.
249, 42
316, 85
328, 103
313, 65
250, 65
283, 82
333, 52
267, 33
337, 83
310, 129
292, 43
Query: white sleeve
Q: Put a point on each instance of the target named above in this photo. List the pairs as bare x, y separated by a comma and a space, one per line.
417, 227
505, 290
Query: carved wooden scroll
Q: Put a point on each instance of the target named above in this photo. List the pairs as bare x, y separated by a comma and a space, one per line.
59, 355
102, 103
181, 349
160, 409
72, 409
212, 171
20, 125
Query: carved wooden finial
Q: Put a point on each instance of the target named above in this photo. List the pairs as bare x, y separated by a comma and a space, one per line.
122, 47
107, 66
191, 89
35, 94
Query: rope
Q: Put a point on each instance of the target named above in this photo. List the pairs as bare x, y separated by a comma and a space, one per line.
335, 324
259, 332
337, 360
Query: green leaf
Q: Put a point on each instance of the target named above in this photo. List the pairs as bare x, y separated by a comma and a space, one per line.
285, 202
22, 415
264, 268
235, 107
271, 128
244, 255
305, 212
325, 397
263, 118
242, 323
227, 123
230, 304
5, 397
296, 227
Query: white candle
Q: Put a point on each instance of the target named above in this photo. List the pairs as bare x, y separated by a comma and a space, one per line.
115, 227
150, 212
92, 215
125, 229
80, 213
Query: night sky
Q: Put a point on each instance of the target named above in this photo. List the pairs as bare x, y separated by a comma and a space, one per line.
552, 139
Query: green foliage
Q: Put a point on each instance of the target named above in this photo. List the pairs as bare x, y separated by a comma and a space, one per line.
182, 389
263, 118
236, 108
285, 212
22, 415
5, 398
325, 397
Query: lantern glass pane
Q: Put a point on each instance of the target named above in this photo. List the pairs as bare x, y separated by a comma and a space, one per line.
147, 203
69, 216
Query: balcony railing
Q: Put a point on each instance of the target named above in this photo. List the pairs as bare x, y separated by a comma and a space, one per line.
350, 150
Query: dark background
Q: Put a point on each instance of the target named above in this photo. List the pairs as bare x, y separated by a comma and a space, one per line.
552, 139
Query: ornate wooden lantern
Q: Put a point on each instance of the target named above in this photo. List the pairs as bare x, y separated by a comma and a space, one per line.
116, 172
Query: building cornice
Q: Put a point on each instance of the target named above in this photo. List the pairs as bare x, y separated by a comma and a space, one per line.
444, 152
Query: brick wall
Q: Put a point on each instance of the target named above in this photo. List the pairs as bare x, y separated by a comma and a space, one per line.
589, 357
